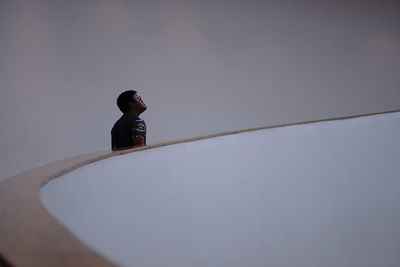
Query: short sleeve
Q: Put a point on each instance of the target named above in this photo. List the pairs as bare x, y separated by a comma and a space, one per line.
139, 128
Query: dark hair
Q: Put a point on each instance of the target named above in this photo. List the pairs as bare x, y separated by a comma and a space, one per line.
124, 99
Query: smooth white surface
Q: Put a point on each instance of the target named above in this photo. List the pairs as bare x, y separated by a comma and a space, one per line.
202, 66
323, 194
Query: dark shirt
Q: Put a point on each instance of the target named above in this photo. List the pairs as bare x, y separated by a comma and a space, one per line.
125, 130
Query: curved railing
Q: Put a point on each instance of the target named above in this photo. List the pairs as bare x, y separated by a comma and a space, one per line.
30, 236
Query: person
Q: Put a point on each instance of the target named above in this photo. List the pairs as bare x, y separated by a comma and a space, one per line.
129, 130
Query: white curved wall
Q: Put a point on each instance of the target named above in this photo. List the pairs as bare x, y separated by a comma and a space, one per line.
323, 194
201, 66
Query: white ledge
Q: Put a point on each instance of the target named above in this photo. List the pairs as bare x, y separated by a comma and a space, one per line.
31, 236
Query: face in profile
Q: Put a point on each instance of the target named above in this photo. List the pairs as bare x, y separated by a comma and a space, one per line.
139, 105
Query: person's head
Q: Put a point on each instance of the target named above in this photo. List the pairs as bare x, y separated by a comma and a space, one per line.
130, 102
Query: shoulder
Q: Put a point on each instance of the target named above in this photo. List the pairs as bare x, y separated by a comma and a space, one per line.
139, 120
139, 123
135, 119
118, 123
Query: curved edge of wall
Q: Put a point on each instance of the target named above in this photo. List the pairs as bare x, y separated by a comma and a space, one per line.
30, 236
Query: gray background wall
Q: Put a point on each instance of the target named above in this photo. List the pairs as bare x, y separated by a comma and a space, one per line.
201, 66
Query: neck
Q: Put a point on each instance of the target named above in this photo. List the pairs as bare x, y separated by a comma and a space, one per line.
133, 112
